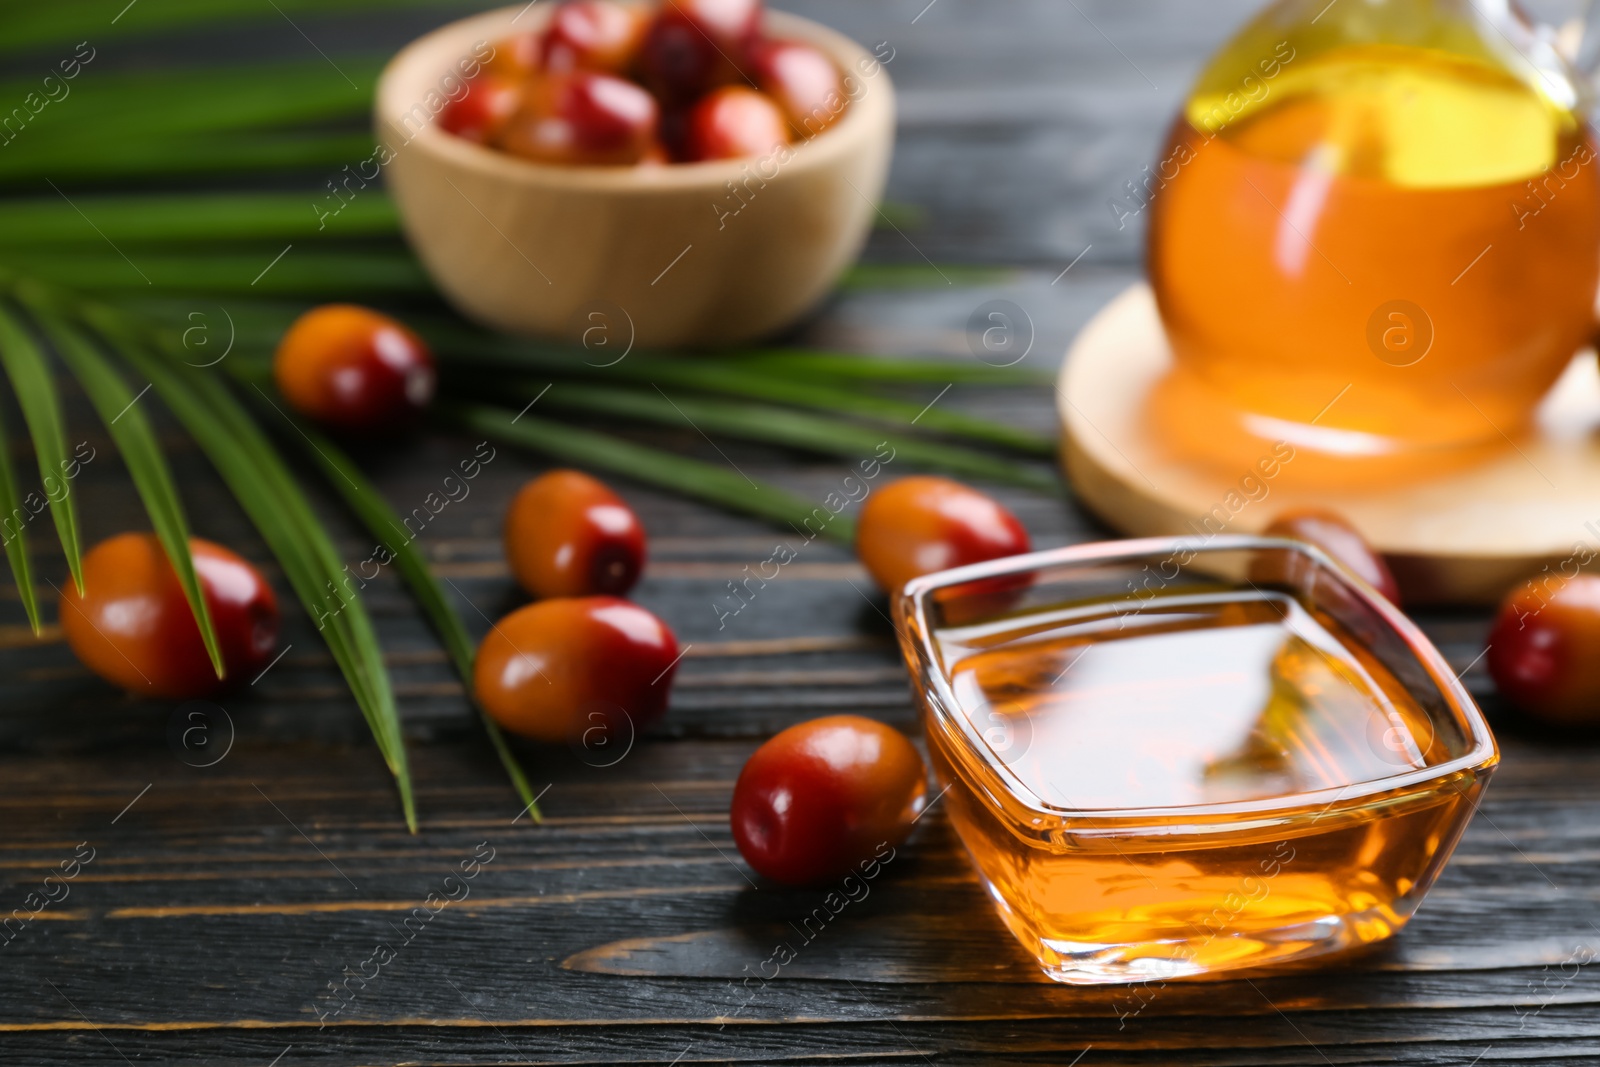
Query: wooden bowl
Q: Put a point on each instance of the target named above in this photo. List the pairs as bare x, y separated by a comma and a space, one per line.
679, 254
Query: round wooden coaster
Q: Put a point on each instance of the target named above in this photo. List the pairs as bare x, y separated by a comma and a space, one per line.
1461, 538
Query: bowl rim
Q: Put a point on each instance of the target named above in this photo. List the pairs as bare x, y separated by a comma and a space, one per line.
1478, 761
415, 70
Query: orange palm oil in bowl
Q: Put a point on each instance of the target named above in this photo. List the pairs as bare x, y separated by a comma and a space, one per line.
1245, 761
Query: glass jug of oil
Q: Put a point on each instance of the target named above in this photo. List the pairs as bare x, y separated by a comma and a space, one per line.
1375, 234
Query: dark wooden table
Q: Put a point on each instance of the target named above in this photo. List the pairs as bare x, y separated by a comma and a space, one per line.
262, 909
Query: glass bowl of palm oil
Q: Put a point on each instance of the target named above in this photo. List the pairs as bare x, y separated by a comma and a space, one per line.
1181, 757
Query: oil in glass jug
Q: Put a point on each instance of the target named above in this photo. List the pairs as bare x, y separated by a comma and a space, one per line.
1376, 234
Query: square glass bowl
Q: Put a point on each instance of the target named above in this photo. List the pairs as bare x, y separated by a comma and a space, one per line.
1175, 757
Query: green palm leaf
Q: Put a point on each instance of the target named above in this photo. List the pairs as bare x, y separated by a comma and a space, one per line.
113, 105
183, 157
718, 376
31, 26
209, 218
15, 542
726, 487
384, 524
117, 406
785, 426
267, 491
29, 372
812, 364
304, 272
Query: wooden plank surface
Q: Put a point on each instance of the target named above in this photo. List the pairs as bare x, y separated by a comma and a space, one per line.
222, 900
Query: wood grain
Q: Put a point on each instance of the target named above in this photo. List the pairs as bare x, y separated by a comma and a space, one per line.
221, 904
